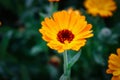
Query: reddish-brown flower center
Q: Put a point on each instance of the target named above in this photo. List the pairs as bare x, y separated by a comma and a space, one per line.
65, 35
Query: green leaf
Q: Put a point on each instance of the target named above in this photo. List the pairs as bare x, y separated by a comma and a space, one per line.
63, 77
36, 49
4, 44
74, 59
24, 72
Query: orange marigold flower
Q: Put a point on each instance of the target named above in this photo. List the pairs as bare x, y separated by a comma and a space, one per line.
55, 60
103, 8
114, 65
0, 23
53, 0
65, 30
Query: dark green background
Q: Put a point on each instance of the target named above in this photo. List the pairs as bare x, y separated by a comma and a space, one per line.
25, 56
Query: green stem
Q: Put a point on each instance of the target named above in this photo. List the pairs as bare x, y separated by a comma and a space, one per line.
51, 7
66, 69
65, 62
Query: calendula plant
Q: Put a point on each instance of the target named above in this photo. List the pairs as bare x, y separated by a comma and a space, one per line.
103, 8
114, 65
66, 30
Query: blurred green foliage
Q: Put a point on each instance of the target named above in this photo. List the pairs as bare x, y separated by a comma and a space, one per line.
25, 56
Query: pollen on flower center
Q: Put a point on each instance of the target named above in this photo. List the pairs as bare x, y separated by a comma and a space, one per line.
65, 35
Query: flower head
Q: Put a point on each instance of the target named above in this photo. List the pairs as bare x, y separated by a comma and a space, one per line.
103, 8
53, 0
65, 30
114, 65
0, 23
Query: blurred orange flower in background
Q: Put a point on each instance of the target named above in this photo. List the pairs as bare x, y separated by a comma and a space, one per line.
55, 60
53, 0
65, 30
114, 65
103, 8
0, 23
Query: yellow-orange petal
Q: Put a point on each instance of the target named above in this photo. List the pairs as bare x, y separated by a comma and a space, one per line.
115, 78
118, 52
114, 66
